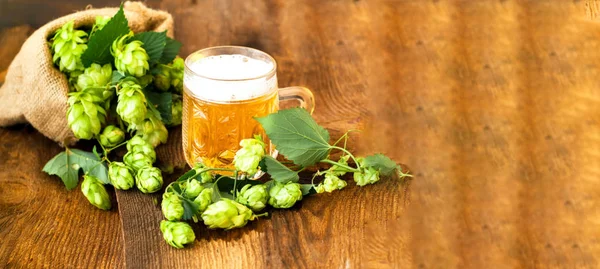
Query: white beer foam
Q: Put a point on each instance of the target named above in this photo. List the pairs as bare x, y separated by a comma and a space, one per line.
229, 67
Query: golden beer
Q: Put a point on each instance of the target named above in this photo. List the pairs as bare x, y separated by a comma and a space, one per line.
212, 131
224, 89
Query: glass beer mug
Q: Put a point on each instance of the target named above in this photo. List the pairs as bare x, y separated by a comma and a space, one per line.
224, 88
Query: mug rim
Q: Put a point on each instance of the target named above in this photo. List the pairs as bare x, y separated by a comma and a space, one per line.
270, 73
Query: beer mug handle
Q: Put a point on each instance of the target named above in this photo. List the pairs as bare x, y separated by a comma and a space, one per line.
301, 94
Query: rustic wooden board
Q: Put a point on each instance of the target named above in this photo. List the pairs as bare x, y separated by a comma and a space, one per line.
41, 223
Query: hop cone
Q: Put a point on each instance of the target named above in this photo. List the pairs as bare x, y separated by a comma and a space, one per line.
204, 199
131, 104
177, 233
367, 176
138, 145
152, 130
171, 206
149, 179
284, 195
162, 79
111, 136
85, 115
145, 80
95, 192
176, 111
247, 158
192, 189
96, 76
255, 197
68, 45
137, 160
330, 184
339, 171
130, 57
227, 214
121, 176
101, 21
177, 68
204, 177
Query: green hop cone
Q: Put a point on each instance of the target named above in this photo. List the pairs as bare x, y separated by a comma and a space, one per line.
177, 68
204, 199
330, 184
68, 45
101, 21
176, 111
255, 197
171, 206
85, 116
111, 136
145, 80
339, 171
149, 179
137, 160
131, 104
177, 233
95, 76
162, 79
130, 57
120, 175
139, 145
192, 189
284, 195
204, 177
367, 176
153, 130
227, 214
95, 192
247, 158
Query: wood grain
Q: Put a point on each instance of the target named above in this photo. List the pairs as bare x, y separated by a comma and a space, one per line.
492, 104
41, 223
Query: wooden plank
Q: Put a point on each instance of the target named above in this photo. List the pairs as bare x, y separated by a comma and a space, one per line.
41, 223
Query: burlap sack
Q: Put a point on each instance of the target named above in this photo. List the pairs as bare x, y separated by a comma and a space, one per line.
35, 91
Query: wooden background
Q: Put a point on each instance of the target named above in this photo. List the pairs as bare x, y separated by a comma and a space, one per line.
493, 105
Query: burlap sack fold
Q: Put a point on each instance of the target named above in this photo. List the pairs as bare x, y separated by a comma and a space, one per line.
35, 91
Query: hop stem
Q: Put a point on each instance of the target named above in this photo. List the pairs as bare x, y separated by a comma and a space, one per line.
350, 169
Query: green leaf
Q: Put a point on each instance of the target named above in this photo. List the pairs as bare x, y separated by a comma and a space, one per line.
186, 176
190, 209
67, 164
226, 184
170, 51
98, 50
116, 77
297, 136
280, 172
384, 164
162, 102
154, 44
307, 189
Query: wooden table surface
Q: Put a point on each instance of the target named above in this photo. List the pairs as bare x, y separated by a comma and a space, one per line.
493, 105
